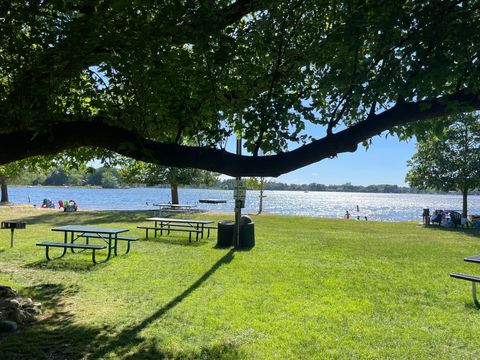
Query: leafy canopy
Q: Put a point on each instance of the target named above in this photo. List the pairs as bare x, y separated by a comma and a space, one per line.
450, 162
138, 77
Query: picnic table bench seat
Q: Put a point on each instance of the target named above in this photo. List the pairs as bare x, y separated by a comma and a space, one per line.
172, 227
121, 238
469, 277
472, 278
66, 246
472, 259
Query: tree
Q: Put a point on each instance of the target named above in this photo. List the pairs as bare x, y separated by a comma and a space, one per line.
151, 174
258, 184
8, 172
137, 77
107, 177
450, 162
57, 178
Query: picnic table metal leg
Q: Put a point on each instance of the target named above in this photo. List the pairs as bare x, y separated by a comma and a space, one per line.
111, 245
474, 294
94, 259
71, 240
128, 247
115, 244
108, 254
52, 258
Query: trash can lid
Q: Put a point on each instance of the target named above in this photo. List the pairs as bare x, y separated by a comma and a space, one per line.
245, 219
226, 222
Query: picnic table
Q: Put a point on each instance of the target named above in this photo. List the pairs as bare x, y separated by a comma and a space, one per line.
172, 208
72, 233
171, 224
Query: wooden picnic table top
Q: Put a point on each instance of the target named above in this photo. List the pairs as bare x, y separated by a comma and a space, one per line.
90, 229
184, 221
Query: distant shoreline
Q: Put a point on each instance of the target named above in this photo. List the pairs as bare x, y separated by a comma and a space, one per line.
356, 189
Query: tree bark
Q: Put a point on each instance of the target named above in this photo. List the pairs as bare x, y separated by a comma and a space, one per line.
4, 187
174, 192
464, 202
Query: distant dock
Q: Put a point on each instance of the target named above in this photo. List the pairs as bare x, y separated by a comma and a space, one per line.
212, 201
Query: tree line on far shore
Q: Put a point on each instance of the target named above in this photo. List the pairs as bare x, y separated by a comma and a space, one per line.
112, 177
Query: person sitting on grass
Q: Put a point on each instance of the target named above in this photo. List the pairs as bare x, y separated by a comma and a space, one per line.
437, 217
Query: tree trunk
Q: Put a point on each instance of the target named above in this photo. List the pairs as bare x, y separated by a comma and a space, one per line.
174, 191
4, 198
260, 206
464, 207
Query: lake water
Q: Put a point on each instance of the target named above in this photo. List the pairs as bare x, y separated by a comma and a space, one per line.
380, 207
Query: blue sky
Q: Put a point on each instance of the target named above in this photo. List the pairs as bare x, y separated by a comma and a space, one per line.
383, 163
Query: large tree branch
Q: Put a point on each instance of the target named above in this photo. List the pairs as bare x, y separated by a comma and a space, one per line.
21, 144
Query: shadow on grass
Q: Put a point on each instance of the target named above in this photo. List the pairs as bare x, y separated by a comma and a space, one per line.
177, 241
67, 264
216, 351
473, 232
59, 218
469, 305
71, 261
55, 335
123, 342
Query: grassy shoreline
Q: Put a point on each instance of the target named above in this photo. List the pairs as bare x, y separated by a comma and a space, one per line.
311, 288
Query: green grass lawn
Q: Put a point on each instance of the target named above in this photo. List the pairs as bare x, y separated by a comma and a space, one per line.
311, 288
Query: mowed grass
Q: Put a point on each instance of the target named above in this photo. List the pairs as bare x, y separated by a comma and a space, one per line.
311, 288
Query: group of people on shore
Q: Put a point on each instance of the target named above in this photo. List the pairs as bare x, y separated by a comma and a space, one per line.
449, 218
68, 205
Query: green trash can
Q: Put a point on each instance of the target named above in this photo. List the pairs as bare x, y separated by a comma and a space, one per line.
225, 232
247, 236
247, 233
